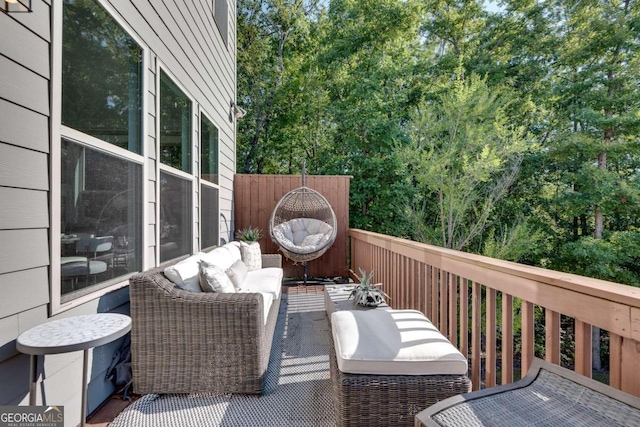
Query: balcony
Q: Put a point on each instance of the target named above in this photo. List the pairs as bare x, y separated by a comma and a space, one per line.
486, 307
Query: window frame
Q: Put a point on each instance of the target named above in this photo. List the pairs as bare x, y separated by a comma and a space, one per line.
161, 167
205, 182
58, 131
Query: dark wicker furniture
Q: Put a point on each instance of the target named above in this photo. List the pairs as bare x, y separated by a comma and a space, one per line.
188, 342
387, 400
547, 396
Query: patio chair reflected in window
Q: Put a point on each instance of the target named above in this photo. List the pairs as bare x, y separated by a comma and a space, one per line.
101, 215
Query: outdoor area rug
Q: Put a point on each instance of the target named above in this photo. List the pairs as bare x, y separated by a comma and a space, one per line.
298, 387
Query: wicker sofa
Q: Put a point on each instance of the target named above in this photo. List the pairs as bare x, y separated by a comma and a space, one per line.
191, 342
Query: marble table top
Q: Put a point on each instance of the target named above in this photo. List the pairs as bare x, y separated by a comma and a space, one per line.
74, 333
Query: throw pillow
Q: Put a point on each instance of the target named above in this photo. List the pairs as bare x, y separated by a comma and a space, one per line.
214, 279
237, 273
251, 255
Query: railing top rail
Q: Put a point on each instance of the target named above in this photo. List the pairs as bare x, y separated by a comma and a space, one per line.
616, 292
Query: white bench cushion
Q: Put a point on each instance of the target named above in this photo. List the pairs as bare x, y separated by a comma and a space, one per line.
393, 342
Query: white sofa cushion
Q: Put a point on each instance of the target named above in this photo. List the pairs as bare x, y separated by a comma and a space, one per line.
393, 342
238, 274
267, 297
234, 249
223, 256
185, 274
251, 255
264, 280
214, 279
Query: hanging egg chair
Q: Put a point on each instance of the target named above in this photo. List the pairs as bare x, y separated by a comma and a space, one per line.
303, 224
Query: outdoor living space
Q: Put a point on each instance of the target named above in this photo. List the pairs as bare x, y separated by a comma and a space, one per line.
478, 162
468, 297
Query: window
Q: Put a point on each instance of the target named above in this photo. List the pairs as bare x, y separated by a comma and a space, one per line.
210, 217
176, 187
175, 126
209, 150
101, 76
100, 151
175, 216
209, 220
221, 16
101, 213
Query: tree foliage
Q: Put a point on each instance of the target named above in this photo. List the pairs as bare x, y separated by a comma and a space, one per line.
509, 130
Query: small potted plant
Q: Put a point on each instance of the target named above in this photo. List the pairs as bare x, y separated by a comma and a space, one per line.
249, 234
365, 293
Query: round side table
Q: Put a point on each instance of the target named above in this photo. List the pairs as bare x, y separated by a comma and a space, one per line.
71, 334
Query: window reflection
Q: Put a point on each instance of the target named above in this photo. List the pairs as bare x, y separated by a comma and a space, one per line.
101, 76
101, 217
175, 126
209, 150
209, 217
175, 217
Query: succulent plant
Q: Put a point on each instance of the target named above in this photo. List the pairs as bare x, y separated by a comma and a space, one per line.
365, 293
249, 234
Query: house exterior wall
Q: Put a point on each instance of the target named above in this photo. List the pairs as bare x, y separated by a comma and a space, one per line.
184, 41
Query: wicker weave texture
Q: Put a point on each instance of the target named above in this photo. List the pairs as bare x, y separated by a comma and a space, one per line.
303, 202
550, 400
391, 400
188, 342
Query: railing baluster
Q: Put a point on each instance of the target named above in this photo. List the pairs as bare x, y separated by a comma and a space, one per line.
453, 309
476, 312
490, 359
404, 281
464, 317
552, 336
387, 274
630, 373
528, 332
424, 278
434, 296
507, 339
615, 360
583, 348
443, 301
429, 294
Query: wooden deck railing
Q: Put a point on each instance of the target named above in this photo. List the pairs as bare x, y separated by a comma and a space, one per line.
448, 287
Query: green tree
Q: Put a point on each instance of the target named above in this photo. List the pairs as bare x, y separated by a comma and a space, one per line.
464, 157
369, 67
275, 84
596, 145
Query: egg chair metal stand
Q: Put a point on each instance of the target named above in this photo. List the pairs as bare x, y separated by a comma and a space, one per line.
303, 225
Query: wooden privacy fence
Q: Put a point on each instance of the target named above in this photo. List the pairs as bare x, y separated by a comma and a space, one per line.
448, 287
257, 195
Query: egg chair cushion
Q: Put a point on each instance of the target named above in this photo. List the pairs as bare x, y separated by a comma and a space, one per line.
303, 235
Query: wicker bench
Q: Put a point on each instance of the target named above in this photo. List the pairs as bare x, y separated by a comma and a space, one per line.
547, 396
371, 387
